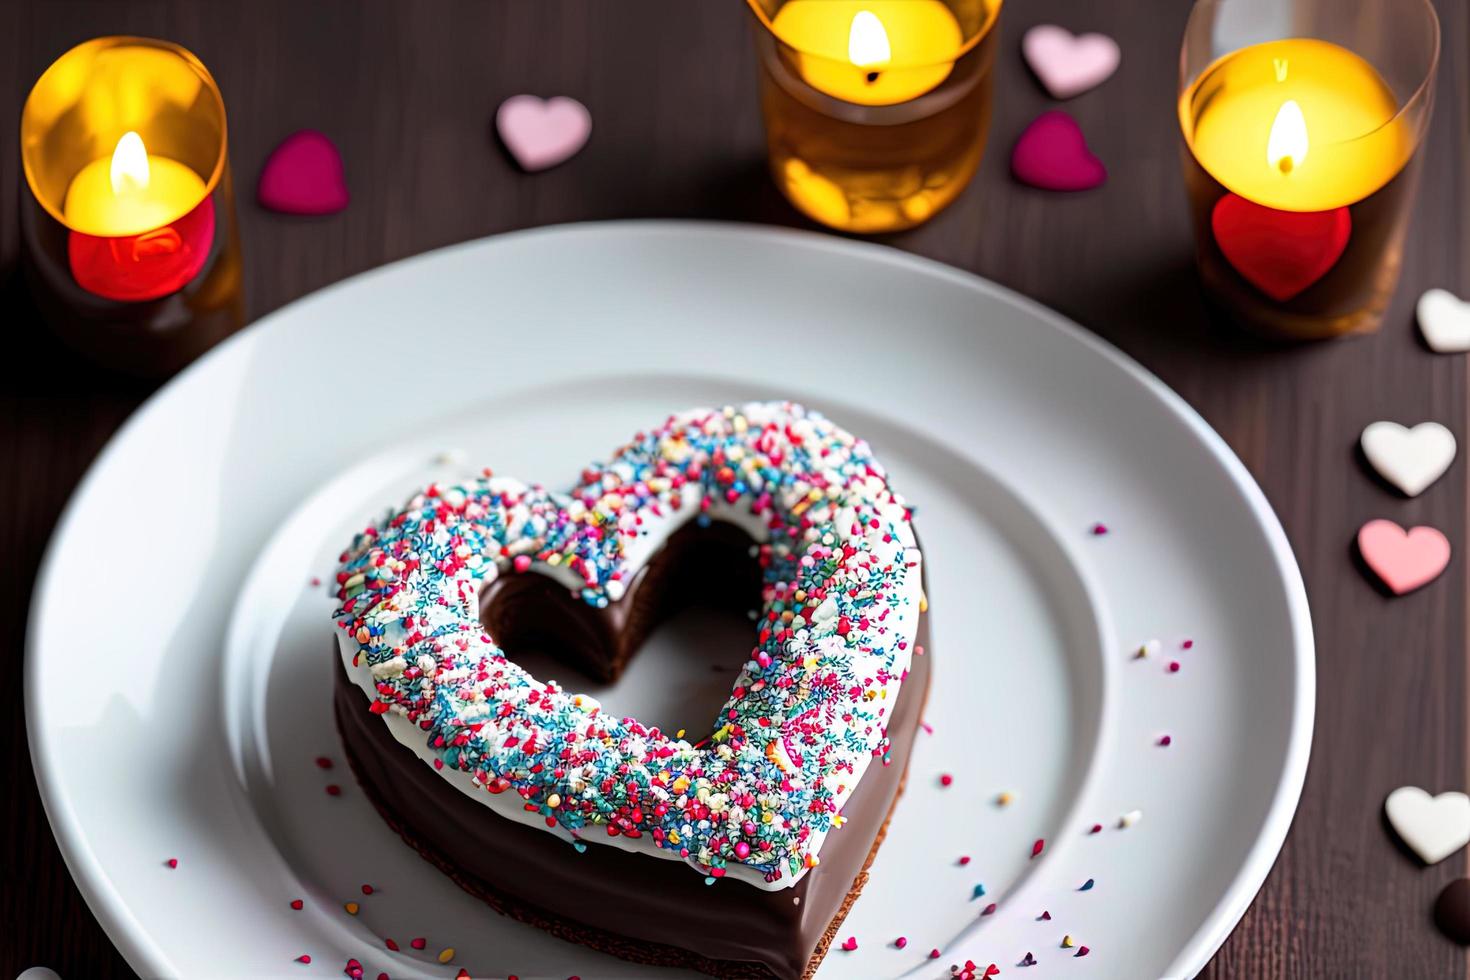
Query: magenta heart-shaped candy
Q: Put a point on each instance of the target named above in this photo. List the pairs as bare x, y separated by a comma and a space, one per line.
1052, 154
303, 175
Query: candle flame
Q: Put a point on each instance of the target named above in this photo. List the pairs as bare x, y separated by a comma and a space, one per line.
1287, 146
129, 164
867, 41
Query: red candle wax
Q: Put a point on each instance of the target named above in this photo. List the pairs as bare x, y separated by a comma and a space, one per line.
132, 268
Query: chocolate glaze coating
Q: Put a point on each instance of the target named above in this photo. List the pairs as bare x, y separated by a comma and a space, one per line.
636, 906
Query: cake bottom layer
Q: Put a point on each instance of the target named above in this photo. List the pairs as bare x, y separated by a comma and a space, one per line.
635, 906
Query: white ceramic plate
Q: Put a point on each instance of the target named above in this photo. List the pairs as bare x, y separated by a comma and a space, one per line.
179, 662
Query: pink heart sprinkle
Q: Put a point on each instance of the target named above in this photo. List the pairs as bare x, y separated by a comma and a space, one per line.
172, 862
303, 175
850, 943
1052, 154
1069, 64
1404, 560
541, 133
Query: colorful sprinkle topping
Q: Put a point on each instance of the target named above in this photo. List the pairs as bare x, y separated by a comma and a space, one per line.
808, 711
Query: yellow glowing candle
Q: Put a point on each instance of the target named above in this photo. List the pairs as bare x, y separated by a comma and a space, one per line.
871, 52
130, 192
1296, 125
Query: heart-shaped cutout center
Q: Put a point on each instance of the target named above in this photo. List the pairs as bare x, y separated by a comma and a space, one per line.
667, 653
1281, 253
840, 601
1404, 560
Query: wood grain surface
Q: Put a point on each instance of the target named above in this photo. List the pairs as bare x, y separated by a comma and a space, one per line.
407, 89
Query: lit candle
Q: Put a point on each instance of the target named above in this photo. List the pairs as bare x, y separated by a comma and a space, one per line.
876, 110
142, 225
127, 216
871, 52
1296, 125
1298, 161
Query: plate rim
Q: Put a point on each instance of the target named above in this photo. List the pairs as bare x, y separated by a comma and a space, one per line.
138, 948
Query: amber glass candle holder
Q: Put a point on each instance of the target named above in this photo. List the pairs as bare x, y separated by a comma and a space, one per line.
1302, 123
876, 111
128, 218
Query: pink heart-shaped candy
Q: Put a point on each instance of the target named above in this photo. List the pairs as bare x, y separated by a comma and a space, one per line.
303, 176
1052, 154
1404, 560
1069, 64
541, 133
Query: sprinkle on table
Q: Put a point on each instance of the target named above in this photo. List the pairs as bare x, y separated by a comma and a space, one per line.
1087, 885
945, 779
1146, 649
1187, 645
1038, 846
351, 908
1068, 942
446, 954
353, 969
304, 958
391, 944
323, 762
988, 910
367, 889
1096, 829
418, 942
297, 904
901, 942
1098, 530
333, 789
172, 862
964, 860
850, 943
978, 891
1129, 819
1173, 666
934, 954
1045, 916
1082, 951
1028, 960
1004, 799
1165, 741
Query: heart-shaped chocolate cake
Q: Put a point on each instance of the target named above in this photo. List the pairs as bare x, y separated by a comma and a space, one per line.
737, 853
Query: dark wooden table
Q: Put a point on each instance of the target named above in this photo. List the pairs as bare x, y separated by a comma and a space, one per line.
408, 89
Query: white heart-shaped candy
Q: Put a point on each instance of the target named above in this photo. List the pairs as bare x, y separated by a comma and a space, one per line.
1444, 319
1434, 826
1410, 459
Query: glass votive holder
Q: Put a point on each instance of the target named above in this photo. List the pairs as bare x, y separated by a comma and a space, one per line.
1302, 122
128, 218
876, 111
